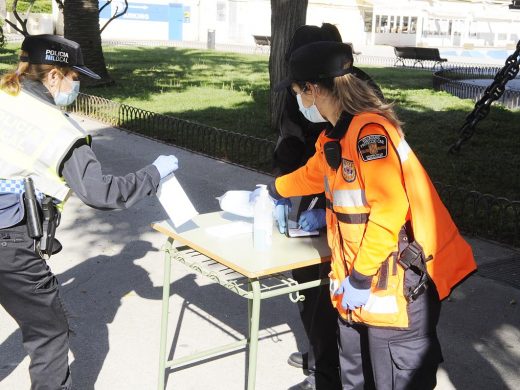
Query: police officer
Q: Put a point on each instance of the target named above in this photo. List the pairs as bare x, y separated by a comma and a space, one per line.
295, 146
395, 249
42, 147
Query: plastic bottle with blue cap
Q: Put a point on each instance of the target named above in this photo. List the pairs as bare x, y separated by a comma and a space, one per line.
263, 220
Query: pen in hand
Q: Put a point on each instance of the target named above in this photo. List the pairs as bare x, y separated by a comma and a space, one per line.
313, 203
310, 207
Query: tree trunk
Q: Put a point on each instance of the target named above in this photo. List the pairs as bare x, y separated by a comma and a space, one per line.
3, 14
286, 17
81, 22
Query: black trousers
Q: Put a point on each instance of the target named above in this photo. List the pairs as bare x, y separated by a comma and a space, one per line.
391, 359
319, 320
29, 293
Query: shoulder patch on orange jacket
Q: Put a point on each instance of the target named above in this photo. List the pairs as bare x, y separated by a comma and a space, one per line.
373, 147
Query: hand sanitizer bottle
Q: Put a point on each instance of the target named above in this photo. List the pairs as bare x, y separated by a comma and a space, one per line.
263, 220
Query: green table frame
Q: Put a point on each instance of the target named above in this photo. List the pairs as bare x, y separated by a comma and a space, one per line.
265, 285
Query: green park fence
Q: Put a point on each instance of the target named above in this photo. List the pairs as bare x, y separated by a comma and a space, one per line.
476, 214
251, 152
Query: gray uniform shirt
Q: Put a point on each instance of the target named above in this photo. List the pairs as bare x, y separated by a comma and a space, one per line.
82, 172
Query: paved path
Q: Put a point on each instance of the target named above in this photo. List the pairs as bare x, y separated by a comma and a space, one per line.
111, 276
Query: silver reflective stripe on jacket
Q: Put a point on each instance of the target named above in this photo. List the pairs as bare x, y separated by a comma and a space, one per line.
350, 198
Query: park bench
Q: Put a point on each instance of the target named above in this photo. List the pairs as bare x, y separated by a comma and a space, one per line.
419, 54
262, 41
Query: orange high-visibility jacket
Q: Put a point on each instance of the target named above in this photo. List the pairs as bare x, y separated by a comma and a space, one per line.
379, 186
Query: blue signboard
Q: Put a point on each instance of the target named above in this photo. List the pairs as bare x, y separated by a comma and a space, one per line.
176, 17
136, 11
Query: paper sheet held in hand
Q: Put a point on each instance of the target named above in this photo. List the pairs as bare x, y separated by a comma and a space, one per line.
175, 201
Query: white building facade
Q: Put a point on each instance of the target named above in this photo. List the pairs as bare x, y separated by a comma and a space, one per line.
438, 23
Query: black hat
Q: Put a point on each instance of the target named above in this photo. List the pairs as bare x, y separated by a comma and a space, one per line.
317, 61
55, 50
307, 34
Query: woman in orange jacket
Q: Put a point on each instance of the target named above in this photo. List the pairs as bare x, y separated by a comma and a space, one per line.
395, 250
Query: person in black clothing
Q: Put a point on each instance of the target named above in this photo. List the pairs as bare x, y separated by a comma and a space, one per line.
294, 147
40, 142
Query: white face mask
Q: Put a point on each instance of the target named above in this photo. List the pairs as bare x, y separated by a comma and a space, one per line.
67, 98
312, 114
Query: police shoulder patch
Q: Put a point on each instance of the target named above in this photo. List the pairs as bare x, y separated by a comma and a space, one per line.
348, 170
373, 147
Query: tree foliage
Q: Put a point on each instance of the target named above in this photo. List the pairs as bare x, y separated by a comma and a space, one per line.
39, 6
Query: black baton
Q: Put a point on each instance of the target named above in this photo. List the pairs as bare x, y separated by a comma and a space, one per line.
34, 223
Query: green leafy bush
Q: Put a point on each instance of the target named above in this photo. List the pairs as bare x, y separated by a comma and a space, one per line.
39, 7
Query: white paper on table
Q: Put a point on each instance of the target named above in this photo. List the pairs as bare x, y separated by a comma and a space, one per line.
175, 201
296, 232
230, 229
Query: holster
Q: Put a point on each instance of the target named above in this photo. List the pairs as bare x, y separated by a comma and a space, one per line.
51, 219
412, 257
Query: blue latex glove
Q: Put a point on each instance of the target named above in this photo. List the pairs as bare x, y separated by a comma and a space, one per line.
352, 297
312, 219
166, 165
279, 213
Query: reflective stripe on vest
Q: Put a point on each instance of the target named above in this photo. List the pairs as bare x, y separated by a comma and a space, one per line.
34, 138
10, 186
403, 150
349, 198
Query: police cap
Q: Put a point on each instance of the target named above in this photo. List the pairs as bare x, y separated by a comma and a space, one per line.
317, 61
55, 50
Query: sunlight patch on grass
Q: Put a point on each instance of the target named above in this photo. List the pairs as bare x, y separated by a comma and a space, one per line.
231, 91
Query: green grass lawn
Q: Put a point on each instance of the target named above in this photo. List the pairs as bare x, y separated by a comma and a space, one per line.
231, 91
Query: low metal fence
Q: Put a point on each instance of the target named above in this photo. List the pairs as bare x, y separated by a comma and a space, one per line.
482, 215
475, 213
236, 148
453, 82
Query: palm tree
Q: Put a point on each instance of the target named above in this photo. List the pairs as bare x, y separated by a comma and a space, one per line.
286, 17
81, 24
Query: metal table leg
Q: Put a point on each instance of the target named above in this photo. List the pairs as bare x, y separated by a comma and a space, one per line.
164, 316
254, 322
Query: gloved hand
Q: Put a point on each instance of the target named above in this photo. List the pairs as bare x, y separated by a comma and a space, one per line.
254, 195
352, 297
166, 165
279, 213
312, 219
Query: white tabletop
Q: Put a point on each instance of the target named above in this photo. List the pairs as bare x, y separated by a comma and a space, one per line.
237, 252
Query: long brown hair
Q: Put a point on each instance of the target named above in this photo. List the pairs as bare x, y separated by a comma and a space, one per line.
11, 82
356, 96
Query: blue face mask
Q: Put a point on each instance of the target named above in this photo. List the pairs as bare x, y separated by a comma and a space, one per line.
67, 98
312, 114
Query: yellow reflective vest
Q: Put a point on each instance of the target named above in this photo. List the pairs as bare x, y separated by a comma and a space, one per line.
35, 137
379, 186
